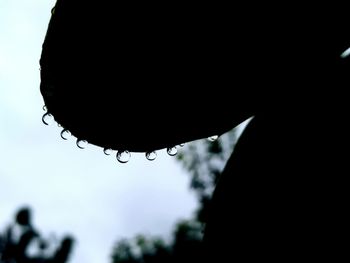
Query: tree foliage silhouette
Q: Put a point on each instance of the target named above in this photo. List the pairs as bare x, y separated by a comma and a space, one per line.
19, 236
204, 161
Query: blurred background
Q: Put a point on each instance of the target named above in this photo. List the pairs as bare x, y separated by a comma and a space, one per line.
114, 212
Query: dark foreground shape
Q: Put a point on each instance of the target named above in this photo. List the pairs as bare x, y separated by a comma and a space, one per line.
141, 78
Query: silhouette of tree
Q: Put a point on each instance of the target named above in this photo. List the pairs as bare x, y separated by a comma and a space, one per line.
204, 161
186, 245
20, 235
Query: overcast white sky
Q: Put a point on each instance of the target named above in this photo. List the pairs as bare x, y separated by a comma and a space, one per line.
82, 192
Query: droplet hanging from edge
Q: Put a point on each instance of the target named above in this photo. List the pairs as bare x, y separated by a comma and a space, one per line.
81, 143
151, 156
181, 144
107, 151
123, 156
47, 118
44, 108
213, 138
65, 134
172, 151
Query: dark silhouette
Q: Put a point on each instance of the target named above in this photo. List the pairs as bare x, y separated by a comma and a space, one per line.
62, 253
283, 192
16, 249
186, 245
155, 59
14, 246
204, 160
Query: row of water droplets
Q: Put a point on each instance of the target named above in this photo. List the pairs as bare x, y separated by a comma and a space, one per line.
122, 156
65, 133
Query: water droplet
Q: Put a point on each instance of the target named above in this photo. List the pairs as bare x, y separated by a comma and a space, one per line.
151, 156
107, 151
213, 138
44, 108
123, 156
81, 143
65, 134
47, 118
181, 144
59, 125
172, 151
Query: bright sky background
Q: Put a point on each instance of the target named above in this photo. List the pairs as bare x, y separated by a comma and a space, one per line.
82, 192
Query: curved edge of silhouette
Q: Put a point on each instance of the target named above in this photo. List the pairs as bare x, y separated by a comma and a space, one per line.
131, 92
